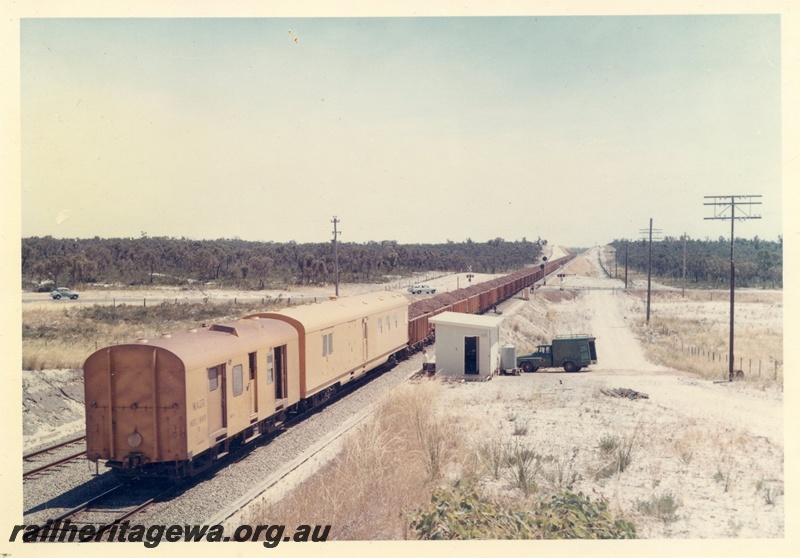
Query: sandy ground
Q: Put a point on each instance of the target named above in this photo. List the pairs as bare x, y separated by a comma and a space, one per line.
52, 406
716, 448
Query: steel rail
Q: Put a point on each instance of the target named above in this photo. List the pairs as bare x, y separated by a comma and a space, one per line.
52, 448
56, 463
87, 503
124, 514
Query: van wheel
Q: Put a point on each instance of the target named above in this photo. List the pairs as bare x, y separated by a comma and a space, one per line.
570, 367
527, 367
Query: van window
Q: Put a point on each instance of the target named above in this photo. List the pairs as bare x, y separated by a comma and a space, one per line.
270, 369
213, 378
238, 383
327, 344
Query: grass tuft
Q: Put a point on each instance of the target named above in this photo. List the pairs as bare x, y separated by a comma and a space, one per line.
663, 507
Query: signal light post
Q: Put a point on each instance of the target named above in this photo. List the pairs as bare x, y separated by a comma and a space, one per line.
723, 205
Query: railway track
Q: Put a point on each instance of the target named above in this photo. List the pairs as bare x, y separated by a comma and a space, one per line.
112, 507
61, 451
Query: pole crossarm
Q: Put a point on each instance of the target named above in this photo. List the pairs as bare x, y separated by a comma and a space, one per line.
738, 207
656, 234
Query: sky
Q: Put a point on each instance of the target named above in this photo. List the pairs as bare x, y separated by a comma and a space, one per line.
574, 129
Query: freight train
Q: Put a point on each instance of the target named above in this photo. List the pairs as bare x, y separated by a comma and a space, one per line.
172, 405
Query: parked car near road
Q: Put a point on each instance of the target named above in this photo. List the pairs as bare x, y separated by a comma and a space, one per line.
63, 292
419, 289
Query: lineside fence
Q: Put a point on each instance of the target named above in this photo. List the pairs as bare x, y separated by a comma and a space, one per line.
746, 365
603, 264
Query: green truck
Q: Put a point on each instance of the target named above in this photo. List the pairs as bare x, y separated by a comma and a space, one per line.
573, 352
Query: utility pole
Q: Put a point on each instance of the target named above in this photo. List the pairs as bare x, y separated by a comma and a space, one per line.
626, 265
722, 206
615, 263
336, 233
649, 262
683, 285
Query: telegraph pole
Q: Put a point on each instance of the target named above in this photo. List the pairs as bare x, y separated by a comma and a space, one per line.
722, 206
626, 265
615, 263
683, 285
649, 262
336, 233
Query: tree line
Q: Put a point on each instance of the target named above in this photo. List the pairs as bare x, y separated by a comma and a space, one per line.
48, 261
758, 262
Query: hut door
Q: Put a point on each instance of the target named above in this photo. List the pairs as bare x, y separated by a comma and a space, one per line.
470, 355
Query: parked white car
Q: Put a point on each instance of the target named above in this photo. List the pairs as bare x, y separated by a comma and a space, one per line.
421, 289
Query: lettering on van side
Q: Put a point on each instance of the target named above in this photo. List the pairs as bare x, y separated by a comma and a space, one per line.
199, 404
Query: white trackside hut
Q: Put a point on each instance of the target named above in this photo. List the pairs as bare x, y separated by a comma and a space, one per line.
467, 345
